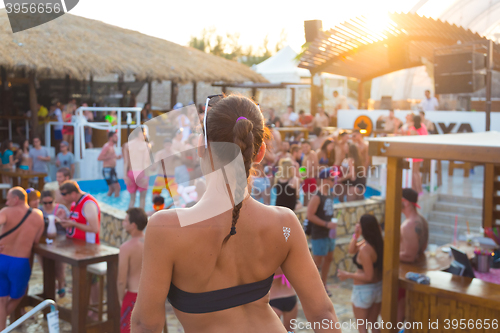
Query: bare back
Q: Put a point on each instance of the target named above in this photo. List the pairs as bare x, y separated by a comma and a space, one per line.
20, 242
195, 261
133, 249
414, 238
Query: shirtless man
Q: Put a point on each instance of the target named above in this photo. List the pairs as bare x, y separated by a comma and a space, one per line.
15, 268
321, 119
391, 123
339, 148
310, 162
130, 263
108, 157
135, 175
362, 145
413, 240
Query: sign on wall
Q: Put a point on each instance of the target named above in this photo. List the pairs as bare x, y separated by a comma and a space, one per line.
444, 121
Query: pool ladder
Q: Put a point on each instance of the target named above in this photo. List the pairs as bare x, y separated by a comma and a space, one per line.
39, 307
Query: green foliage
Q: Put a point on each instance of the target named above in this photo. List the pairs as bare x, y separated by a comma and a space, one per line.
229, 47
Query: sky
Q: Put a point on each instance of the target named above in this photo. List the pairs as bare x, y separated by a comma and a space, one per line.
177, 21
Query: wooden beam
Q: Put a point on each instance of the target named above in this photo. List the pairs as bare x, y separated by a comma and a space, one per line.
150, 91
488, 194
174, 89
360, 94
33, 104
390, 277
195, 93
436, 152
3, 90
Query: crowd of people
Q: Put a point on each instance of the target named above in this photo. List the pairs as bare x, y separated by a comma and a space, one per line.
319, 170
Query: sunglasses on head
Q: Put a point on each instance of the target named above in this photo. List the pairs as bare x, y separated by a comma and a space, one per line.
211, 101
47, 202
29, 190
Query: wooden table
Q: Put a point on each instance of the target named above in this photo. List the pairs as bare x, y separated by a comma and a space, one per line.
449, 296
79, 255
285, 130
25, 177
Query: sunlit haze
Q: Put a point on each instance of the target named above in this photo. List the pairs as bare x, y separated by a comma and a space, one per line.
177, 21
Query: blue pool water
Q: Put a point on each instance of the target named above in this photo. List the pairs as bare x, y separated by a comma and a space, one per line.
99, 189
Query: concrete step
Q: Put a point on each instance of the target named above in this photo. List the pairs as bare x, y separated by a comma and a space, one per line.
460, 200
449, 218
448, 229
440, 239
459, 209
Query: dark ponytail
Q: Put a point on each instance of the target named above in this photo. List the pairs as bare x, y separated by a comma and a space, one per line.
245, 119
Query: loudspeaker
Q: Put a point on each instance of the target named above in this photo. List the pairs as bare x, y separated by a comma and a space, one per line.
312, 29
465, 62
459, 83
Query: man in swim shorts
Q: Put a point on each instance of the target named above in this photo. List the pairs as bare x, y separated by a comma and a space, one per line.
135, 175
108, 157
16, 241
130, 264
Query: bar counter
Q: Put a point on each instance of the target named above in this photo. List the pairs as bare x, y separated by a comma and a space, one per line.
455, 303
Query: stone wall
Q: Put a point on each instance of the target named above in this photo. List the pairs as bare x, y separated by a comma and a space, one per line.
350, 213
112, 232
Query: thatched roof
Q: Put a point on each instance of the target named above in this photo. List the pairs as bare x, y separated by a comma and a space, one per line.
79, 46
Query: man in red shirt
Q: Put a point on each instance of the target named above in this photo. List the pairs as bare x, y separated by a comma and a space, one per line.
85, 217
305, 119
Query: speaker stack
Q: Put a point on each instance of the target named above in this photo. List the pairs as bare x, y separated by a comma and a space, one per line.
457, 73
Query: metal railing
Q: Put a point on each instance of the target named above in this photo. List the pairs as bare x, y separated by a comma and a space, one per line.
39, 307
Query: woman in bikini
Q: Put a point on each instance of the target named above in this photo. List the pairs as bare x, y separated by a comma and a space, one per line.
216, 260
24, 157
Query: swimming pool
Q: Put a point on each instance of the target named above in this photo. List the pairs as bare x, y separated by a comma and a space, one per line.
99, 189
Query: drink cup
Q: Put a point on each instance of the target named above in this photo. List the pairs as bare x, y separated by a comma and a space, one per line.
433, 249
51, 229
333, 232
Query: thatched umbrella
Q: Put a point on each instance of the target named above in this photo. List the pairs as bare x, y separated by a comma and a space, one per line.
77, 46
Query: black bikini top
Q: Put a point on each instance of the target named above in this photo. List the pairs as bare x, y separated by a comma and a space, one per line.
218, 300
355, 262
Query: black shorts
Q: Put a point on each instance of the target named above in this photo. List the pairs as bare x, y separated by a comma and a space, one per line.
285, 304
110, 175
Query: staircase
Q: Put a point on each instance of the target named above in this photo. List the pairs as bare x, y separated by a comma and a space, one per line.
442, 217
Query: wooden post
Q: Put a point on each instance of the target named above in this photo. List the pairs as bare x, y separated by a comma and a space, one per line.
150, 92
195, 93
33, 104
254, 94
3, 89
91, 89
67, 82
360, 94
391, 242
173, 94
489, 79
488, 195
292, 103
315, 95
